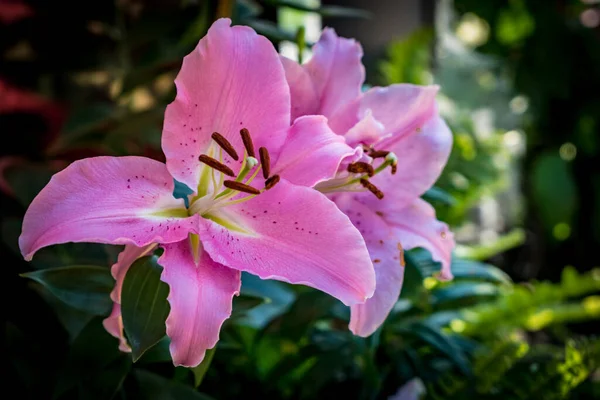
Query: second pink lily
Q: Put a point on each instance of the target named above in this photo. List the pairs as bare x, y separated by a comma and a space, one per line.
405, 146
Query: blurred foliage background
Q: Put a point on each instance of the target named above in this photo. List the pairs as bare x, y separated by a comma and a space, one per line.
520, 82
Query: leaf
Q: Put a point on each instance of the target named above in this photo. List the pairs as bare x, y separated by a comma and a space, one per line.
463, 292
93, 361
437, 195
200, 370
144, 305
155, 387
473, 270
27, 180
278, 296
84, 287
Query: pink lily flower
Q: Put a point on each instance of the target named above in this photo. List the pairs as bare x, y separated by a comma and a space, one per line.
398, 128
227, 136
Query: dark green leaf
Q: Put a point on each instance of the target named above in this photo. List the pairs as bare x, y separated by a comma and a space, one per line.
437, 195
473, 270
463, 292
200, 370
144, 305
279, 295
27, 180
158, 353
93, 354
155, 387
84, 287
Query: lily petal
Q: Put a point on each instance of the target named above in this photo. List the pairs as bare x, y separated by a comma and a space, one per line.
232, 80
401, 108
294, 234
387, 260
312, 152
305, 100
416, 226
421, 159
114, 322
336, 71
200, 296
116, 200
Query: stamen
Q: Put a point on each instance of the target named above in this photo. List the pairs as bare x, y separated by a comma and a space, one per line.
372, 188
265, 160
241, 187
393, 160
225, 145
378, 153
272, 181
211, 162
394, 168
360, 167
247, 142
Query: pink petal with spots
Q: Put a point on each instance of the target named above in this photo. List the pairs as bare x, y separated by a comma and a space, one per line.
232, 80
116, 200
200, 295
416, 226
402, 108
387, 261
114, 323
421, 159
305, 100
294, 234
312, 152
336, 71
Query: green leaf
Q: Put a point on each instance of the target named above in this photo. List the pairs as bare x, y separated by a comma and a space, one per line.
278, 296
200, 370
84, 287
144, 305
463, 292
93, 361
155, 387
473, 270
437, 195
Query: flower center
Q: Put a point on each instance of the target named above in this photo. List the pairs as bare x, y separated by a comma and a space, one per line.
215, 190
356, 176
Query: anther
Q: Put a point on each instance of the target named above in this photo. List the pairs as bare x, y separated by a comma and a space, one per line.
272, 181
394, 168
378, 153
360, 167
372, 188
225, 145
211, 162
265, 160
241, 187
247, 142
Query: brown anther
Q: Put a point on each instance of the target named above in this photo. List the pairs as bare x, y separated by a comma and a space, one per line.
247, 142
225, 145
265, 161
378, 153
372, 188
360, 167
394, 168
241, 187
272, 181
211, 162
